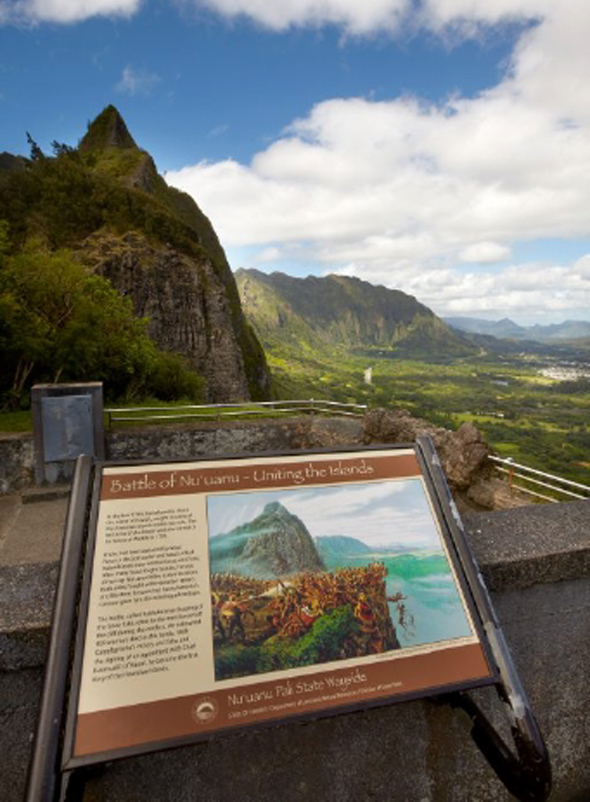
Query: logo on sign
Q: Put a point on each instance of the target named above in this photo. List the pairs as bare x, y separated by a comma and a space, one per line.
204, 710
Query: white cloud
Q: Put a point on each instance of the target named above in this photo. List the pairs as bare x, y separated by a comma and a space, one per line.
459, 17
409, 193
137, 82
219, 130
451, 17
353, 16
581, 267
528, 290
63, 11
484, 253
270, 254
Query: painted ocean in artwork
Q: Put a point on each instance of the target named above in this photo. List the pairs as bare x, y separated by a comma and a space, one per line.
434, 608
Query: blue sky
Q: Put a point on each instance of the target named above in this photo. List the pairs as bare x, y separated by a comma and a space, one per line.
440, 147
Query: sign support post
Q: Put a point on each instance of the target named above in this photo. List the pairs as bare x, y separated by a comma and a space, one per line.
44, 772
528, 776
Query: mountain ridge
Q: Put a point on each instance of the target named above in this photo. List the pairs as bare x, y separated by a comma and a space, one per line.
567, 331
342, 311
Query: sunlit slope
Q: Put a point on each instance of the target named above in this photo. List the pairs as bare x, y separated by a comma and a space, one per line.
343, 313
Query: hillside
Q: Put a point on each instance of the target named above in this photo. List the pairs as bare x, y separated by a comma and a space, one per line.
105, 202
343, 313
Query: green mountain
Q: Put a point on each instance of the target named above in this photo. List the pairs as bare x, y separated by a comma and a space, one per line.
274, 544
105, 202
345, 313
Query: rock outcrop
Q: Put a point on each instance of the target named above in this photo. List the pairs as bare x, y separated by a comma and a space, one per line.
108, 130
464, 455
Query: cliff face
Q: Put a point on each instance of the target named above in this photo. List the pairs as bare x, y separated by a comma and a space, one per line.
184, 285
274, 544
186, 303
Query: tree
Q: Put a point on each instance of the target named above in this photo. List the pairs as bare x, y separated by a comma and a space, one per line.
36, 152
57, 321
61, 149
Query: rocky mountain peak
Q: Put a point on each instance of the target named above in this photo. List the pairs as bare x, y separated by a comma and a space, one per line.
275, 543
150, 241
275, 508
108, 130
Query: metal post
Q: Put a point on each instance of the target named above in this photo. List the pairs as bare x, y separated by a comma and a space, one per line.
42, 781
510, 475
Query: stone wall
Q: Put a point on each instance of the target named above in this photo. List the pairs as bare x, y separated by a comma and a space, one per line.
189, 442
536, 561
463, 453
17, 462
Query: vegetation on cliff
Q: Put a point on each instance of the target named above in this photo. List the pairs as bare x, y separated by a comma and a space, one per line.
58, 322
109, 188
345, 314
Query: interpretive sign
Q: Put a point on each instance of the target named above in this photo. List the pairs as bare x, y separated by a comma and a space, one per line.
233, 592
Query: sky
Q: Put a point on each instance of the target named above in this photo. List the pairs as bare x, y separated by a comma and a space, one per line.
438, 147
380, 514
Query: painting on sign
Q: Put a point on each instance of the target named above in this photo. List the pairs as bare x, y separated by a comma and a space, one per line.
313, 575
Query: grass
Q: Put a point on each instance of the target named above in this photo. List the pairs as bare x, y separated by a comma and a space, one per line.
531, 418
21, 421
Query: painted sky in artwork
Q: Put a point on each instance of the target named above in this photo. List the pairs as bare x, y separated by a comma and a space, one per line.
380, 514
439, 147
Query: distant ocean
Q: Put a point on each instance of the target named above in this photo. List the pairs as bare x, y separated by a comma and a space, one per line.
433, 600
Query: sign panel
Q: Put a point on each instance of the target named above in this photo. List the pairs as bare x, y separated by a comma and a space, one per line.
67, 427
235, 592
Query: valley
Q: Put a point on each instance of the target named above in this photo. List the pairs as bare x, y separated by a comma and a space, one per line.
524, 415
530, 399
540, 421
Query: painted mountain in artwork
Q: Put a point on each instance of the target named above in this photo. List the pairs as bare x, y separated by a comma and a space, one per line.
274, 544
338, 546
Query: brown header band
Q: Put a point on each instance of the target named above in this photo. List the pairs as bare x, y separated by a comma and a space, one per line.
257, 475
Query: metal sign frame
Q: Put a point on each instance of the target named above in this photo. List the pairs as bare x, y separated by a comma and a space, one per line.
55, 773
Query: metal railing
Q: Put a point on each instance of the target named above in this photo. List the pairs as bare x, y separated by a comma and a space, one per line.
220, 411
518, 474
